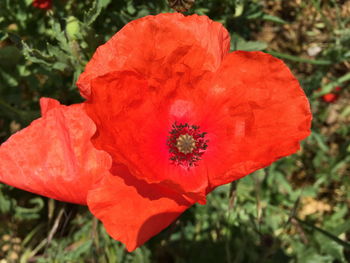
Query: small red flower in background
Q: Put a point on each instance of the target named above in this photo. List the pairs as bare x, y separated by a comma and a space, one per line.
169, 115
43, 4
332, 96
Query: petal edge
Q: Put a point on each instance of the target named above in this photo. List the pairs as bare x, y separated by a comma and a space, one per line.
54, 156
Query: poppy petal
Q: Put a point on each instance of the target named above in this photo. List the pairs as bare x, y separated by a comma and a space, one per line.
132, 210
148, 46
133, 125
53, 156
261, 115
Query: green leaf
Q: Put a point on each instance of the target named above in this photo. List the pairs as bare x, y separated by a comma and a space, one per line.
36, 56
5, 202
273, 18
93, 13
238, 43
104, 3
320, 141
30, 213
326, 233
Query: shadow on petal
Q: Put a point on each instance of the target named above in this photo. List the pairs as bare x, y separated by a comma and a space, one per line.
132, 210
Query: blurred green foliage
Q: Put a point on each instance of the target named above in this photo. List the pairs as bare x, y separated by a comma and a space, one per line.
296, 210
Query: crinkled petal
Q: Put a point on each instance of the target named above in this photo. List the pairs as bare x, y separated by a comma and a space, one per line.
252, 108
47, 104
132, 210
54, 156
261, 115
158, 47
133, 125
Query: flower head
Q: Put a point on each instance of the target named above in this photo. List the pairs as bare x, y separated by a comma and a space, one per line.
169, 115
43, 4
186, 144
332, 96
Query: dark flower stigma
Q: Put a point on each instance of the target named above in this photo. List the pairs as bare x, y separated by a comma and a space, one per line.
186, 144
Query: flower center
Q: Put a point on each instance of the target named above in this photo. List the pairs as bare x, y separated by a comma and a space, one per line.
186, 144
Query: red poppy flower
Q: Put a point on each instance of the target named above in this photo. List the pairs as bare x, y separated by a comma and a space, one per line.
43, 4
176, 116
332, 96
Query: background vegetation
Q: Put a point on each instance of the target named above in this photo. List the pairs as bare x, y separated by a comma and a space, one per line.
296, 210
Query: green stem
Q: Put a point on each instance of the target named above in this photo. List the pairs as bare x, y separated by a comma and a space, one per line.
331, 236
330, 86
298, 59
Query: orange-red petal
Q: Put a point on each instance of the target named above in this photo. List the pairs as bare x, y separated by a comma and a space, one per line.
133, 122
252, 108
131, 210
159, 46
54, 156
261, 115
